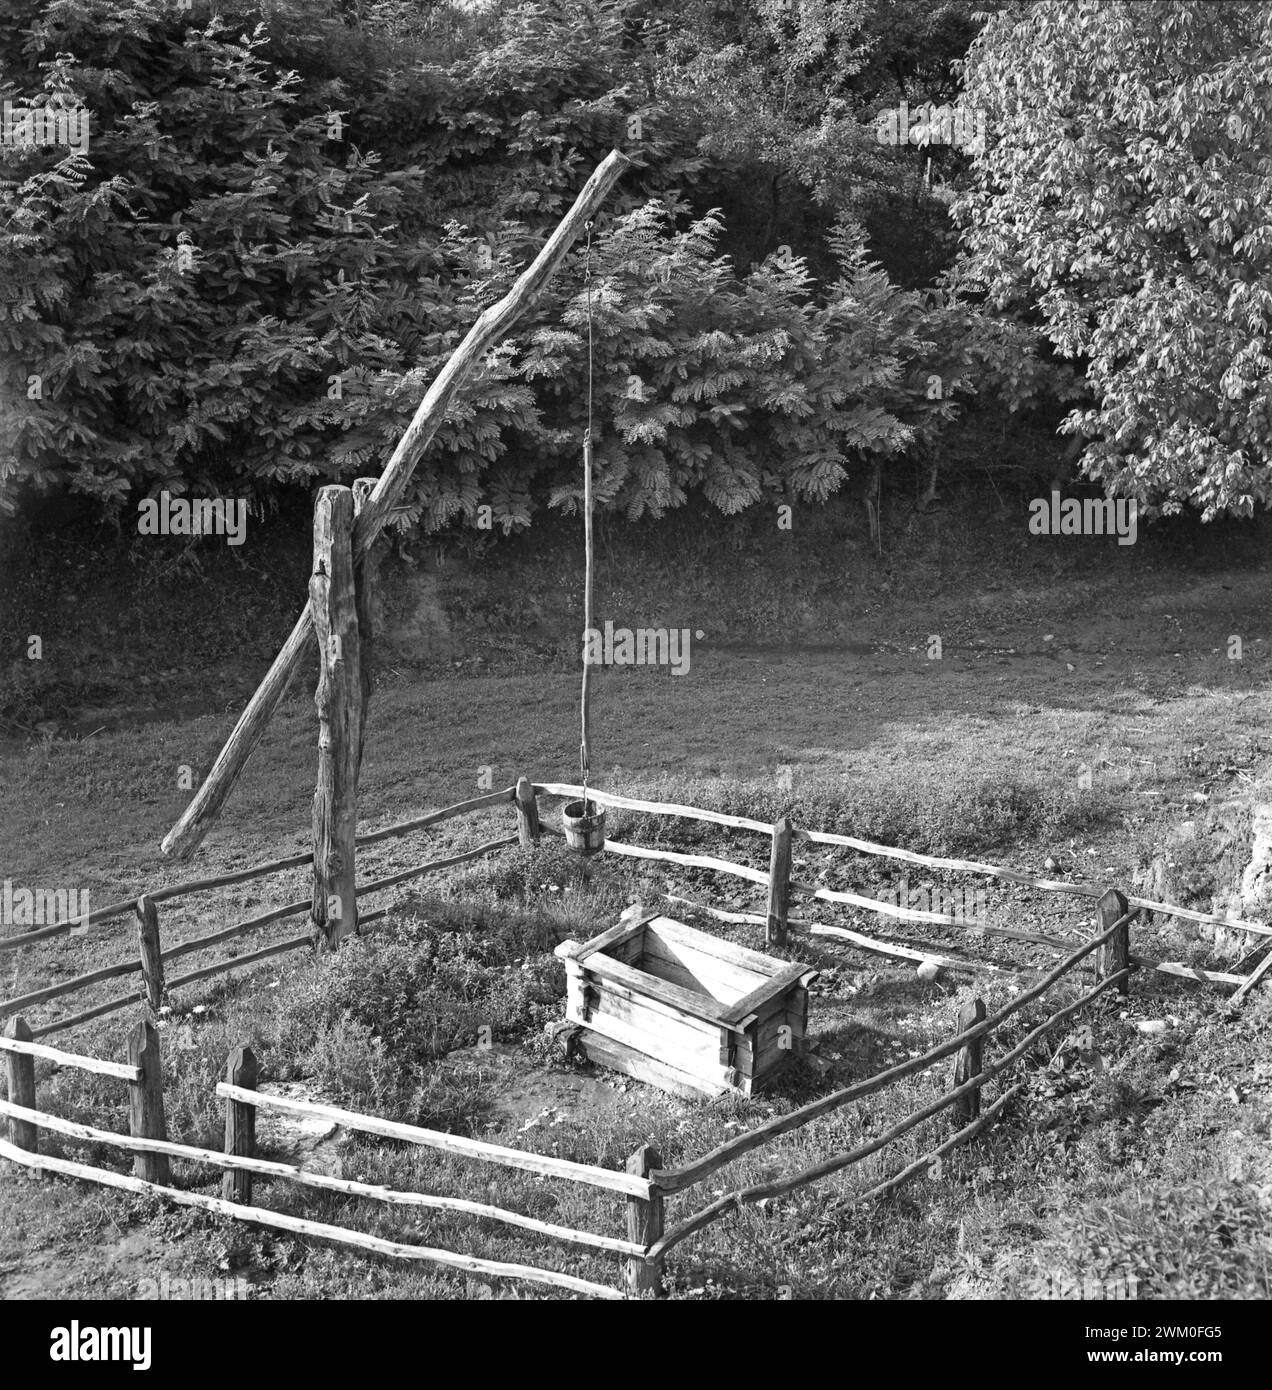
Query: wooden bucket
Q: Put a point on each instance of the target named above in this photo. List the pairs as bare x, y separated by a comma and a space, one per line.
584, 826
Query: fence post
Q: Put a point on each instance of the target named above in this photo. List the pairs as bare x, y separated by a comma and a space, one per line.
527, 813
339, 701
145, 1102
151, 951
779, 882
641, 1277
1115, 954
967, 1063
21, 1069
240, 1125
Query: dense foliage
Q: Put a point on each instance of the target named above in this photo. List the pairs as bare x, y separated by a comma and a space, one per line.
278, 233
287, 217
1126, 198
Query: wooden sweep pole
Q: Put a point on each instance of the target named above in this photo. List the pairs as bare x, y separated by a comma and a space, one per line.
493, 325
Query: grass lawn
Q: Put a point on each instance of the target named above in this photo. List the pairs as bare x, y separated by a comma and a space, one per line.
1074, 716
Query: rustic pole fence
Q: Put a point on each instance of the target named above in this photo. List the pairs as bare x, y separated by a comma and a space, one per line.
1114, 955
151, 951
779, 882
145, 1102
333, 603
21, 1073
642, 1276
967, 1063
527, 813
240, 1125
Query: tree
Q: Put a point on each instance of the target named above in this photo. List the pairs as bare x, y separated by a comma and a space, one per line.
1125, 198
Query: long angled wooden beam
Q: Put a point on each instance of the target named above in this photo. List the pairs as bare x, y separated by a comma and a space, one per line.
490, 328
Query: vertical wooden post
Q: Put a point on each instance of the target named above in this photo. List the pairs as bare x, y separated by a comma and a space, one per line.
151, 951
339, 701
367, 587
641, 1277
240, 1125
967, 1063
145, 1102
1115, 954
527, 813
779, 882
21, 1070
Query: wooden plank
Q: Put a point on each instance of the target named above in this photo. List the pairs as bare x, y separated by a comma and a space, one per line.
296, 943
201, 943
683, 1000
312, 1229
460, 808
694, 1061
665, 967
268, 1168
609, 1052
338, 699
121, 1070
675, 1180
887, 948
433, 865
612, 936
719, 977
657, 808
742, 956
40, 996
665, 1032
633, 1024
772, 989
1189, 972
693, 861
449, 1143
74, 1020
492, 325
664, 1015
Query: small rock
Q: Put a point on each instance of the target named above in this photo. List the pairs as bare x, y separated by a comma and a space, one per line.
928, 970
1153, 1025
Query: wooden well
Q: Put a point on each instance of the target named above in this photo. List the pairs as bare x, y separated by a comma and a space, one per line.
682, 1009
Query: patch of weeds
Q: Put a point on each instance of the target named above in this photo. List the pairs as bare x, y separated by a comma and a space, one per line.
1205, 1240
365, 1028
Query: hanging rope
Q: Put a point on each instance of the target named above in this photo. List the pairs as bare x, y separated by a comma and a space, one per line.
584, 753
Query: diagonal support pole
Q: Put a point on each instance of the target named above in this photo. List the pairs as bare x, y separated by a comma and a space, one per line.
493, 325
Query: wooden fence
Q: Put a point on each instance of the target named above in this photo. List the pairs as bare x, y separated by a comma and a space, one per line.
155, 984
646, 1184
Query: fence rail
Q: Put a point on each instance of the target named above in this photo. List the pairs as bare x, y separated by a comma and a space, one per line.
153, 1153
931, 861
646, 1184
